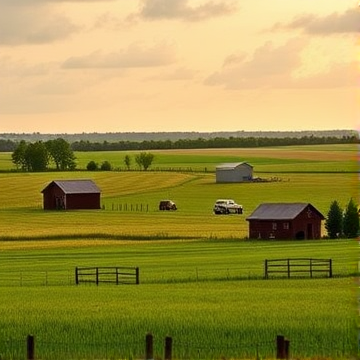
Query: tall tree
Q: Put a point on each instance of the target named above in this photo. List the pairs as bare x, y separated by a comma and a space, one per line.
61, 153
334, 220
127, 161
36, 156
18, 156
351, 220
144, 160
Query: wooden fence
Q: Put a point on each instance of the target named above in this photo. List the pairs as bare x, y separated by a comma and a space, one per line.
114, 275
282, 347
298, 266
126, 207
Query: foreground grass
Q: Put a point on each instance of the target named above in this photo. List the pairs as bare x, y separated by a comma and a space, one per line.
195, 291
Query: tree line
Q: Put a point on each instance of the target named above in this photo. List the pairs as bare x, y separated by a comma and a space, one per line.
213, 143
199, 143
40, 156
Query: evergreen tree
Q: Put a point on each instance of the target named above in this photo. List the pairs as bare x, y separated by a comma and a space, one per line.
333, 222
351, 223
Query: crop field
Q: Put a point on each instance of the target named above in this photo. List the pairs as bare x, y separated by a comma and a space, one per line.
201, 279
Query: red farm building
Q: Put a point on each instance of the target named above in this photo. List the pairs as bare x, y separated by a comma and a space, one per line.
285, 221
71, 194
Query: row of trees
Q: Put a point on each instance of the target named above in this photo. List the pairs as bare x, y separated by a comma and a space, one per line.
143, 160
38, 156
217, 142
342, 222
192, 143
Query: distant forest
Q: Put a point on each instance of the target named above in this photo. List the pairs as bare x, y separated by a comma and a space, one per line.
183, 140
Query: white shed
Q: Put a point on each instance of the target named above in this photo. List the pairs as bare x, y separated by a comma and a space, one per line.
234, 172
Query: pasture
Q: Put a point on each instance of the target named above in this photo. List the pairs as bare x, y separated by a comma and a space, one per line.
201, 280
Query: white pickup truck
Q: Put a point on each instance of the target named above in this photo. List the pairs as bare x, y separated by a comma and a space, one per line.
227, 206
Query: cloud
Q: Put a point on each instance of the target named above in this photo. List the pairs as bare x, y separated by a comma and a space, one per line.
345, 23
135, 56
180, 9
32, 25
268, 67
273, 67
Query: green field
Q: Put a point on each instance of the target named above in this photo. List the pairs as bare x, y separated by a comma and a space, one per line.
201, 280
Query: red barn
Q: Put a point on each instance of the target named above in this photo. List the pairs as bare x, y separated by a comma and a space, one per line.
285, 221
71, 194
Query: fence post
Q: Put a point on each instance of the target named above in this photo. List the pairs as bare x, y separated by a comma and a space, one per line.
76, 276
311, 273
149, 349
288, 268
287, 348
168, 348
330, 268
282, 347
137, 276
97, 276
266, 269
30, 347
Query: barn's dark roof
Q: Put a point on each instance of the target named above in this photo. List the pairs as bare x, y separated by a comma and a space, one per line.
75, 186
280, 211
231, 166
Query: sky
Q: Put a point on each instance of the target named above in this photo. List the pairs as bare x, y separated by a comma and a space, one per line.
74, 66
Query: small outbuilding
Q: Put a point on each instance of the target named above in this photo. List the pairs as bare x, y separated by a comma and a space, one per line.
71, 194
234, 172
285, 221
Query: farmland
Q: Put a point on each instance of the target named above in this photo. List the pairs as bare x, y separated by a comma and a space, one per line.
200, 278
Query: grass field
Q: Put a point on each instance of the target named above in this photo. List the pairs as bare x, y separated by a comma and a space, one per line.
200, 279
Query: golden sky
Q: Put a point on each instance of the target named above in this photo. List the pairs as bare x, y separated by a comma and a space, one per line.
70, 66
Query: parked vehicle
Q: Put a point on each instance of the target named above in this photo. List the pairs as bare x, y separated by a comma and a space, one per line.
227, 206
167, 205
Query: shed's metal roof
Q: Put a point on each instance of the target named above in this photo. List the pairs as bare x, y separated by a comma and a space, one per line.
231, 166
280, 211
79, 186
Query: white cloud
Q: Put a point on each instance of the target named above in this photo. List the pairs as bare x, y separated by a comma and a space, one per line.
180, 9
134, 56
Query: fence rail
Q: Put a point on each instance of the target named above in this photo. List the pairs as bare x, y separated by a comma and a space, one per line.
106, 274
298, 266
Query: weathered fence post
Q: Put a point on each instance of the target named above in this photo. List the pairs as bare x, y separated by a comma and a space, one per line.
137, 276
30, 347
97, 276
288, 267
266, 269
168, 348
282, 347
287, 348
330, 268
149, 348
76, 276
